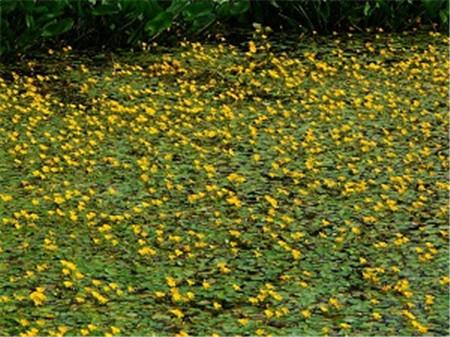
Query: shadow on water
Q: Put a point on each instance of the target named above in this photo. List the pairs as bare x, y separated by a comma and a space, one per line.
56, 64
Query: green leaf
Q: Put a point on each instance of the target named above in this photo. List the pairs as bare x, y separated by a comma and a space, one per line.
27, 39
431, 7
443, 15
57, 27
203, 21
8, 6
197, 9
29, 21
242, 6
107, 9
274, 3
366, 8
56, 7
177, 6
156, 25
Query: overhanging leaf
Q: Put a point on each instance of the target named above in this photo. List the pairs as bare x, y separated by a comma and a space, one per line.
57, 27
197, 9
156, 25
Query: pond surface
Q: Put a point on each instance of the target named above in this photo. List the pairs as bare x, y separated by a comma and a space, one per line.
283, 186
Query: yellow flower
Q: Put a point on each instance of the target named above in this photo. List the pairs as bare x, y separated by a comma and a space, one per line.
24, 322
234, 233
99, 297
190, 295
68, 264
147, 251
236, 178
268, 313
429, 299
306, 313
345, 326
176, 296
5, 197
444, 280
243, 321
68, 284
252, 47
38, 296
236, 287
253, 300
96, 282
334, 302
159, 294
273, 202
79, 275
296, 254
356, 230
369, 219
115, 330
80, 299
30, 333
419, 327
223, 267
92, 327
177, 312
260, 332
171, 281
234, 200
62, 329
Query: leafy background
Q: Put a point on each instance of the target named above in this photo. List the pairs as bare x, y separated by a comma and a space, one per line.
27, 24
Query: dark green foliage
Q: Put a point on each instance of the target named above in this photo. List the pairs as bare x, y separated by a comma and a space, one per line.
326, 16
30, 23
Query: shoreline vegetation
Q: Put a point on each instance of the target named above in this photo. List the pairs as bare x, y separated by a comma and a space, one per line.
28, 26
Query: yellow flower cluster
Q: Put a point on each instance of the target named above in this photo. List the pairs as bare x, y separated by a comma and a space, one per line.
295, 188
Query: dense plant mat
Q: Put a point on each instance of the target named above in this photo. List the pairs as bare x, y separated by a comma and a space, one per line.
217, 189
